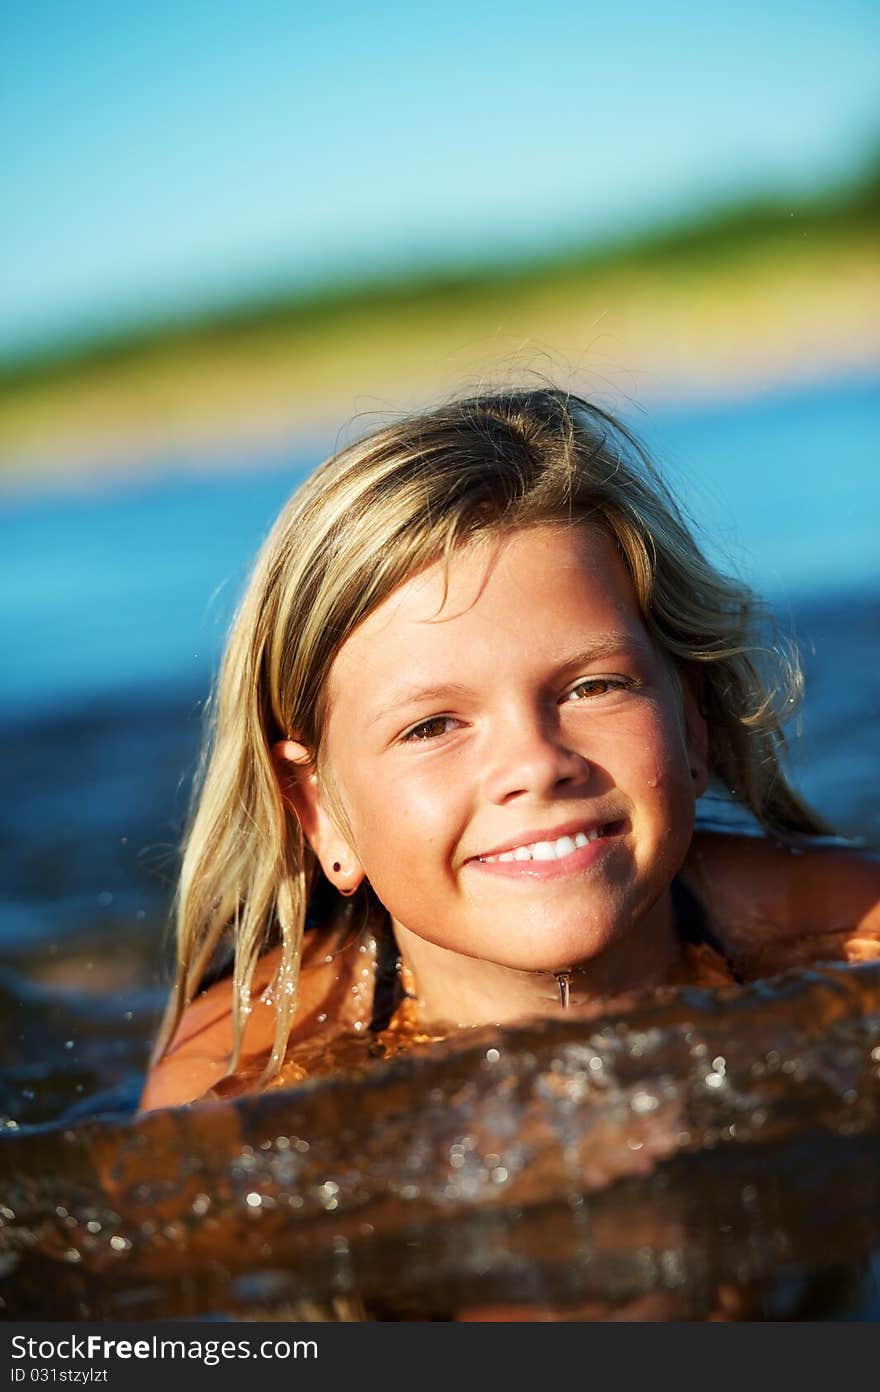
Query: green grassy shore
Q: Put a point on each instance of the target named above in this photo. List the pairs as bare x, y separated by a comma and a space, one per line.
738, 300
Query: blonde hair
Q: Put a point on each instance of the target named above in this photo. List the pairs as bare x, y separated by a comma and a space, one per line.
362, 524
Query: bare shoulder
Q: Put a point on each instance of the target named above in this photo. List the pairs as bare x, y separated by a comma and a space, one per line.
757, 890
198, 1054
197, 1058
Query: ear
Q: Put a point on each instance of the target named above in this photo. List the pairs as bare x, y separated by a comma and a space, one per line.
298, 781
696, 730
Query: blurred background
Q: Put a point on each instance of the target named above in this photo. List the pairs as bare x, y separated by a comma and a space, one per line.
236, 237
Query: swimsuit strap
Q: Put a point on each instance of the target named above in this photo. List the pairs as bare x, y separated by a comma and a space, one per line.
692, 921
388, 991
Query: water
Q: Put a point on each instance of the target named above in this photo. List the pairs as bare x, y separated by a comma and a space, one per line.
709, 1154
563, 981
113, 607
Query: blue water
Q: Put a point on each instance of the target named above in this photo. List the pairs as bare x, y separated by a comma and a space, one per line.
114, 604
787, 486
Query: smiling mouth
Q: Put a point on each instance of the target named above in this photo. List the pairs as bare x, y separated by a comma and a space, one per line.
557, 849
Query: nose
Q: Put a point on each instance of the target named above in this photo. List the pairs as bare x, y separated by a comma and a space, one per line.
530, 760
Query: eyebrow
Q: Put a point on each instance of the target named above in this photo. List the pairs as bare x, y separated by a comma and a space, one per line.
415, 695
605, 645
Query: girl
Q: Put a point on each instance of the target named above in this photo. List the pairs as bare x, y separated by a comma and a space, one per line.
478, 681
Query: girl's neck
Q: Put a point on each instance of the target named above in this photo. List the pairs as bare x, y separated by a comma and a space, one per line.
451, 989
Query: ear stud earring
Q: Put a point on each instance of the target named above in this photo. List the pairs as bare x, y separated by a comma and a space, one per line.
337, 866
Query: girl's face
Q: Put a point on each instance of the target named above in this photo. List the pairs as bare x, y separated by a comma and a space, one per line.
512, 754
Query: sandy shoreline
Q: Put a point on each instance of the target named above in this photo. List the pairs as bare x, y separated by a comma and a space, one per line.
776, 317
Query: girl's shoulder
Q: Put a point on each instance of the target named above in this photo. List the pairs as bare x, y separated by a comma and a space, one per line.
198, 1055
775, 904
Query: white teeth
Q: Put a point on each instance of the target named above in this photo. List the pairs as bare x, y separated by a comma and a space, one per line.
543, 850
548, 850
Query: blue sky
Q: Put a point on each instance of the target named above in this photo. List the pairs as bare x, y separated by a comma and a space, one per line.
159, 156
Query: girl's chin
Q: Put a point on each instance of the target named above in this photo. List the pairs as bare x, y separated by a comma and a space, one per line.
564, 955
541, 946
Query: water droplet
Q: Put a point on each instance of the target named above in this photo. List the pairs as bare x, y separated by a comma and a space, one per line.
72, 1255
253, 1199
563, 981
119, 1244
93, 1226
201, 1203
643, 1102
492, 1055
714, 1080
68, 1043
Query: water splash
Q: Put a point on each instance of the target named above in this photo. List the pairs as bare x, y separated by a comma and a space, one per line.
646, 1163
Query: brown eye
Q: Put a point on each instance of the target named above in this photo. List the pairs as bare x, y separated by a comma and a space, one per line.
597, 686
430, 729
589, 688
